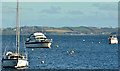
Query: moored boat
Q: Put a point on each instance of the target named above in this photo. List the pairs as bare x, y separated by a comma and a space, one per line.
38, 40
113, 39
15, 60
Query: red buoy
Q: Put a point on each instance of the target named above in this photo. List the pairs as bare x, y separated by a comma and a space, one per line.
72, 51
57, 46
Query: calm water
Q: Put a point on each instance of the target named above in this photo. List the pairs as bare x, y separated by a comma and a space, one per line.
88, 54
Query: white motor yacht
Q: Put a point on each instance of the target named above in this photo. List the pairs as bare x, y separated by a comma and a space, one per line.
38, 40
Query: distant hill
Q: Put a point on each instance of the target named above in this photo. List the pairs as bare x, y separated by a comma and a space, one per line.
82, 30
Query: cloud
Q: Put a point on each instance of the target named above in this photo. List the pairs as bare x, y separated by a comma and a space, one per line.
75, 12
52, 10
6, 9
108, 7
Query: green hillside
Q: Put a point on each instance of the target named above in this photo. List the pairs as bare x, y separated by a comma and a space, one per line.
62, 30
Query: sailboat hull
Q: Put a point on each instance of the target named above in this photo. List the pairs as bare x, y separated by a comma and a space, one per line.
21, 63
38, 45
14, 63
9, 63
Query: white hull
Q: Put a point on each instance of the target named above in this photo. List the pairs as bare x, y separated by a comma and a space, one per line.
113, 41
38, 45
22, 63
14, 63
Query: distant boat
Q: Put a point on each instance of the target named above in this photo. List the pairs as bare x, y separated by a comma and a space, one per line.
38, 40
15, 60
113, 39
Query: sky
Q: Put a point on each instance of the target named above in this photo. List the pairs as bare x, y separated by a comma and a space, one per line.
61, 14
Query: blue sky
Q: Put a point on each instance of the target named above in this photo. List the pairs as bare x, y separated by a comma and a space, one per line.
61, 14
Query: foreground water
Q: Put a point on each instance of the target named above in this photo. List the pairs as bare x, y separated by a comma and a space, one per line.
88, 53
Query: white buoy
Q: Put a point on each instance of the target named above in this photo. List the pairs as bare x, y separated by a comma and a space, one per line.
42, 61
83, 39
32, 49
67, 51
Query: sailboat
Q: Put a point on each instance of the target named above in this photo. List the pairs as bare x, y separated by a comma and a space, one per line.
15, 60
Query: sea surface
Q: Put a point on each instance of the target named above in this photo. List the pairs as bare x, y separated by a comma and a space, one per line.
88, 53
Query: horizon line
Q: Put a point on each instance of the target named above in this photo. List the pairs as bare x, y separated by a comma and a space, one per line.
60, 27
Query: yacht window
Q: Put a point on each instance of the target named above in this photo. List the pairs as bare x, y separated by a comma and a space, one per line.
39, 35
32, 36
110, 36
114, 36
12, 57
41, 38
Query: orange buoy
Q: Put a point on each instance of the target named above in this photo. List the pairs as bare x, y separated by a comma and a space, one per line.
42, 62
49, 47
72, 51
99, 42
38, 57
57, 46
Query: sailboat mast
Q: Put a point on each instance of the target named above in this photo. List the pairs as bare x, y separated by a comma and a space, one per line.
18, 29
16, 39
